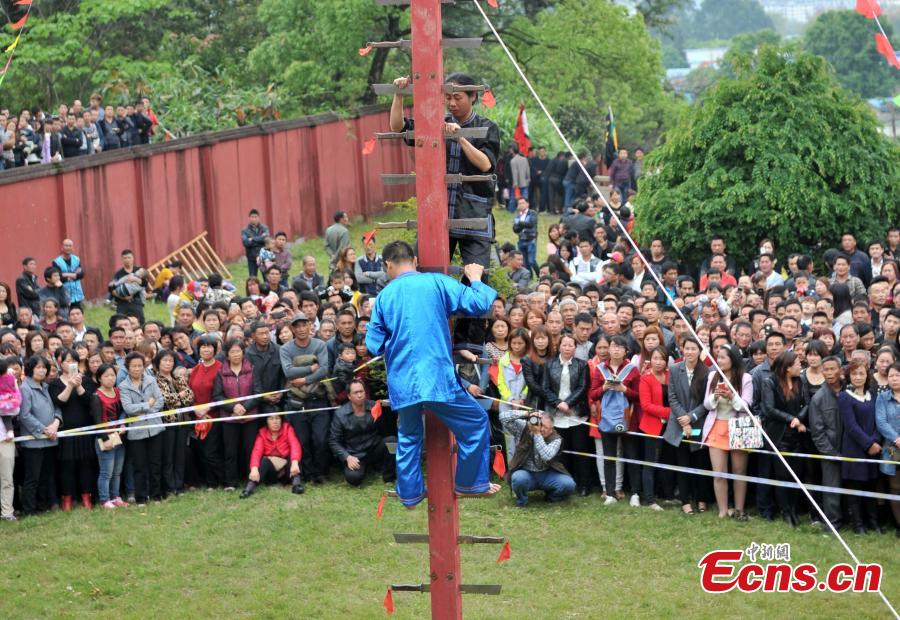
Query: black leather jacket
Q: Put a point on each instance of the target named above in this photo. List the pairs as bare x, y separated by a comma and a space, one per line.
578, 384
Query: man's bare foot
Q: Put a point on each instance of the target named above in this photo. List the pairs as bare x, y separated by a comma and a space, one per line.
492, 490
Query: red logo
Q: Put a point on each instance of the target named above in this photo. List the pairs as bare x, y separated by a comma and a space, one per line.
722, 571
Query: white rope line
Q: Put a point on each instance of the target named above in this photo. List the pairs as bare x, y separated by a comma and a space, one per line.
649, 268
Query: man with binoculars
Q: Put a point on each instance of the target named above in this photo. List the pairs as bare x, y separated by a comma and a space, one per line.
535, 465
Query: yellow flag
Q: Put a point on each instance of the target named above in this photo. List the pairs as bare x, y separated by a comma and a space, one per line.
13, 45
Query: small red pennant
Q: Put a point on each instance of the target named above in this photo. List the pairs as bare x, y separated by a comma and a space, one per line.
499, 465
488, 99
389, 602
364, 51
518, 192
493, 4
17, 25
504, 553
369, 146
868, 8
23, 2
380, 510
367, 238
884, 47
376, 408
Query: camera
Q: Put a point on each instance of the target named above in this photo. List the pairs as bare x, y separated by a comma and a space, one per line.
533, 418
619, 428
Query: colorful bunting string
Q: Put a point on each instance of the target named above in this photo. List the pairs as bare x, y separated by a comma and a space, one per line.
871, 9
11, 50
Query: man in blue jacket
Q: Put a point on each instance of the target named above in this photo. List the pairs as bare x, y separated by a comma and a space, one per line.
409, 326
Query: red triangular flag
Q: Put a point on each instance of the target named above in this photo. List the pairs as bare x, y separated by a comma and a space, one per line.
25, 2
369, 146
389, 602
380, 510
20, 23
364, 51
868, 8
493, 4
884, 47
367, 237
488, 99
504, 553
499, 465
376, 411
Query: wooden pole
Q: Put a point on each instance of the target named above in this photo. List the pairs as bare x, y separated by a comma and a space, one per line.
434, 253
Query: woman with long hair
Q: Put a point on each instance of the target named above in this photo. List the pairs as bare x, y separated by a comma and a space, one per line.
106, 407
601, 356
554, 239
176, 392
7, 307
722, 405
843, 306
887, 421
687, 383
861, 439
533, 366
655, 410
510, 378
784, 418
76, 454
884, 359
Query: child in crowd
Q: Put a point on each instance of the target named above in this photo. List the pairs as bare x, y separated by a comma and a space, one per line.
343, 371
129, 287
10, 401
266, 256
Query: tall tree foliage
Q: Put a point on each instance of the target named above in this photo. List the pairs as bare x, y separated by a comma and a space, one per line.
844, 38
780, 150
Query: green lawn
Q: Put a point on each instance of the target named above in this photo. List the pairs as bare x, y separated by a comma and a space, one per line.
323, 555
97, 314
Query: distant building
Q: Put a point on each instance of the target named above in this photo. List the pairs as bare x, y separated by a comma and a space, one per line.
804, 11
705, 56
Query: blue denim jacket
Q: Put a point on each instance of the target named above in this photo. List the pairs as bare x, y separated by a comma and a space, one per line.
887, 421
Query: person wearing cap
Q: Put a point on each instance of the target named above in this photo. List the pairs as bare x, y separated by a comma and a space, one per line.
409, 327
304, 361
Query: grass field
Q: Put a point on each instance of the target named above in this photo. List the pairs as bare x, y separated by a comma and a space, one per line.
323, 555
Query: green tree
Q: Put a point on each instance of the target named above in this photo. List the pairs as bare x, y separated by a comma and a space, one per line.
844, 38
780, 150
582, 57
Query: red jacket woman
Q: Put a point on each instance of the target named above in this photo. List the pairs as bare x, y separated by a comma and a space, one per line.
654, 411
276, 452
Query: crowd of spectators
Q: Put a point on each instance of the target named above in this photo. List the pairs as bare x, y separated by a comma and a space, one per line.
589, 341
35, 136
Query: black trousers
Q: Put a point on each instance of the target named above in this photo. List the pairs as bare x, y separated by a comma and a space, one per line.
146, 459
652, 450
472, 250
238, 442
631, 449
831, 502
40, 470
174, 450
213, 458
312, 431
765, 503
268, 474
692, 487
378, 456
77, 476
576, 438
